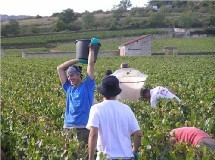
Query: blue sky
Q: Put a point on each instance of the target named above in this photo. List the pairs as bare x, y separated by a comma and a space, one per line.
47, 7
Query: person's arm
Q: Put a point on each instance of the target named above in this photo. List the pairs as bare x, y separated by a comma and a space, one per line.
171, 94
153, 101
90, 65
137, 140
92, 141
172, 139
61, 69
171, 91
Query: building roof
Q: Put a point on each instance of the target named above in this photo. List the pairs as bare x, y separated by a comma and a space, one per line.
135, 40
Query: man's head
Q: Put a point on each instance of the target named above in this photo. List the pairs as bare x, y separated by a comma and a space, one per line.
108, 72
74, 75
124, 65
109, 87
145, 94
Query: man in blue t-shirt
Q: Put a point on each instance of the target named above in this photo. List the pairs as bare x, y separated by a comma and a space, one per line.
79, 96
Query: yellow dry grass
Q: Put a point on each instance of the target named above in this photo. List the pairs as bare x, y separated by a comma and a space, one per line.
45, 21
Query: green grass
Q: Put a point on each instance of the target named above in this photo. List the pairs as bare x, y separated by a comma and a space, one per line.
18, 52
185, 44
71, 37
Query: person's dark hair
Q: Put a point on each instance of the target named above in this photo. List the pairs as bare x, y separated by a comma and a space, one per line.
124, 65
143, 92
79, 68
108, 72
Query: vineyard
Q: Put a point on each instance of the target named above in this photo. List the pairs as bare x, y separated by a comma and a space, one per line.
68, 37
33, 103
184, 45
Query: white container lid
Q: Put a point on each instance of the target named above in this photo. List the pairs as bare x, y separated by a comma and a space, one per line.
131, 81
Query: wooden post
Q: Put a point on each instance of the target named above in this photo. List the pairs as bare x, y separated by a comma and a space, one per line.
23, 54
2, 52
170, 50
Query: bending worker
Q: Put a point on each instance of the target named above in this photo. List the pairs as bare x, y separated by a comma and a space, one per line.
154, 94
192, 136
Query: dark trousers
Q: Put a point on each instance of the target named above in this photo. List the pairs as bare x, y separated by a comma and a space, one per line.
209, 142
81, 134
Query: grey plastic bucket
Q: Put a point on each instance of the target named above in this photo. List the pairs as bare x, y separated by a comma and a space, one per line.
82, 49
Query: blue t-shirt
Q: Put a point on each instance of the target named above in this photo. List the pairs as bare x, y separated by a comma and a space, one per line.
78, 102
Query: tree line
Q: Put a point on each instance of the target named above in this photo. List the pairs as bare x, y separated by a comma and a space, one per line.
182, 14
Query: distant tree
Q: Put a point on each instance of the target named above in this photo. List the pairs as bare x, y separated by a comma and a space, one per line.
98, 11
67, 16
134, 24
112, 23
187, 20
38, 16
124, 4
35, 30
156, 20
11, 29
129, 22
125, 22
207, 6
212, 20
55, 14
118, 13
191, 5
75, 26
59, 25
4, 31
137, 12
133, 12
14, 27
88, 20
101, 23
180, 4
211, 6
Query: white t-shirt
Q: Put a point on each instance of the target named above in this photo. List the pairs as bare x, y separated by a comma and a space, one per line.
115, 122
160, 92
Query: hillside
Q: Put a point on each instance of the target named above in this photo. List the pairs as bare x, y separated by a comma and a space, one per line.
39, 22
184, 15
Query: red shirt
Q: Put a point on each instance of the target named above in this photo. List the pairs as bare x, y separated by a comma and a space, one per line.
190, 135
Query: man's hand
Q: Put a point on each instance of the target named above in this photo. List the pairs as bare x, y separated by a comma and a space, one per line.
93, 42
91, 46
135, 155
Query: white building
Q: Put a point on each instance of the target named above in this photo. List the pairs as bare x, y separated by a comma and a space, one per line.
140, 46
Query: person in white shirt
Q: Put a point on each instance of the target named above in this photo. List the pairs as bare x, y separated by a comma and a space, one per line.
154, 94
111, 124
